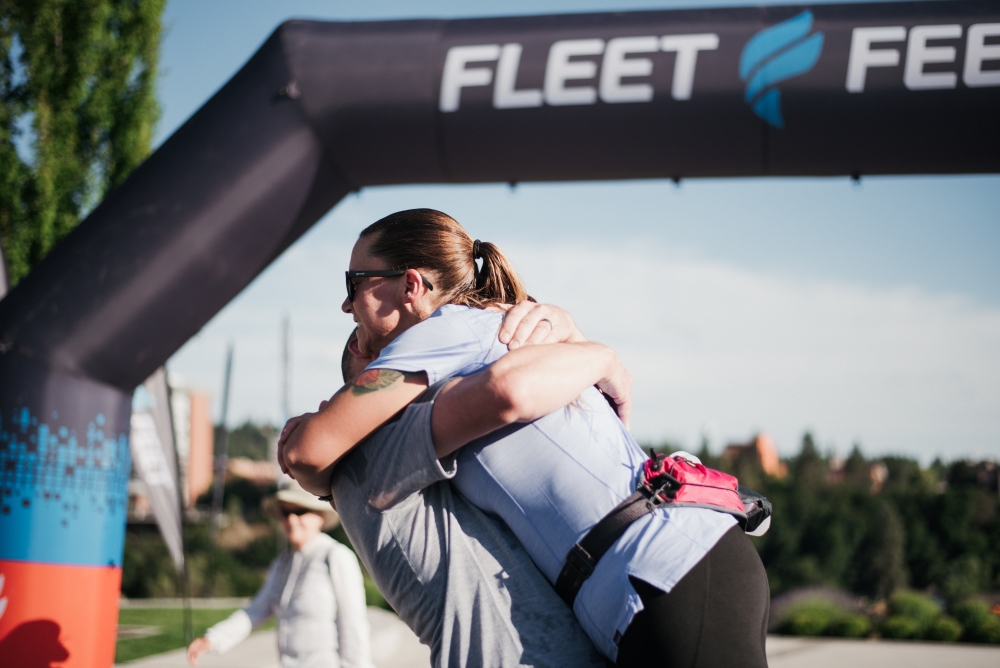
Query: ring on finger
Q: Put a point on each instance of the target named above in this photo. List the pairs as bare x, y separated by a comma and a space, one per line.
551, 326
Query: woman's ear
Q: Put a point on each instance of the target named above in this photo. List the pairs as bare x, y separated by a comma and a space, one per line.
414, 289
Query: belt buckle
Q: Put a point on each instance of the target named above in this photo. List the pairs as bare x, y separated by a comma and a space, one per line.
655, 501
581, 561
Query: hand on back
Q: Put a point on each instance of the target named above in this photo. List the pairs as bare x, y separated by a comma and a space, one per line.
528, 323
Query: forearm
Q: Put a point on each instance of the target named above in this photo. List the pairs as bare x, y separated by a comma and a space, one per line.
310, 454
229, 632
524, 385
314, 446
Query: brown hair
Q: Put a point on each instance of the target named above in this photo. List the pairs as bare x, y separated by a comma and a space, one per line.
434, 241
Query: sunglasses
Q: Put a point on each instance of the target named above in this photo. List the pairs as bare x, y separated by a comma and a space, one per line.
285, 512
352, 288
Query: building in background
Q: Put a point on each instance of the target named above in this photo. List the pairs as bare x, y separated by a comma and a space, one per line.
194, 438
762, 446
197, 463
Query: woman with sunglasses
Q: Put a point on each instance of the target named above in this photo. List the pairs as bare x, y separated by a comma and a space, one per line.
315, 589
680, 586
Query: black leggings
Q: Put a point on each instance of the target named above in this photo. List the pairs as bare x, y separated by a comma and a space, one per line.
716, 616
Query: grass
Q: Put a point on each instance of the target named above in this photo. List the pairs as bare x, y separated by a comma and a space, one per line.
171, 623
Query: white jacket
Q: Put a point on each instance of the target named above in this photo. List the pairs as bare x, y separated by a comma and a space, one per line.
318, 596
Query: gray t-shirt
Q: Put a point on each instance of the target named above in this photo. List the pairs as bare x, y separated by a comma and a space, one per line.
458, 578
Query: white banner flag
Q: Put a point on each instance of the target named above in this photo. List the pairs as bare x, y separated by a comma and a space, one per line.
155, 459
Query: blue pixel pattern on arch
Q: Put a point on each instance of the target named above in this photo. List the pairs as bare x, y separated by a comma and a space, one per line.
53, 481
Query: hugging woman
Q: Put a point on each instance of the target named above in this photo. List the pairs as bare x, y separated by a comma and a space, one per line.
680, 586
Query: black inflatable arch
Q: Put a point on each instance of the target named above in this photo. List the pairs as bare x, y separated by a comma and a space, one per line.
323, 109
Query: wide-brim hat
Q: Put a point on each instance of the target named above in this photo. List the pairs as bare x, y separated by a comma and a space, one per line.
294, 495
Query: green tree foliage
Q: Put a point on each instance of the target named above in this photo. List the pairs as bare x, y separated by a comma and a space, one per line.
936, 528
249, 440
77, 97
879, 564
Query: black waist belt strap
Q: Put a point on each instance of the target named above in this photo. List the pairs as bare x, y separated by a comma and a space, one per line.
582, 559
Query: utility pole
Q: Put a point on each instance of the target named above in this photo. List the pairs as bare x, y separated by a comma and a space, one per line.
286, 378
221, 449
286, 411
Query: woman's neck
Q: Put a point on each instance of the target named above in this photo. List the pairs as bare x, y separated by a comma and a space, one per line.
299, 546
410, 315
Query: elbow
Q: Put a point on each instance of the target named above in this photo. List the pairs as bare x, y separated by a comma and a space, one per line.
512, 397
306, 454
296, 453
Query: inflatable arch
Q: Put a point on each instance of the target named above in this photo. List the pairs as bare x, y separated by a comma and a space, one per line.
323, 109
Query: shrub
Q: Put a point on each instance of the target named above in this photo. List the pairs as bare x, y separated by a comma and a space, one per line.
972, 614
944, 629
850, 625
915, 606
986, 630
901, 627
989, 631
811, 617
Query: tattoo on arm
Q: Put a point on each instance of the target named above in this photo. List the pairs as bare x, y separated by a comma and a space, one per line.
374, 380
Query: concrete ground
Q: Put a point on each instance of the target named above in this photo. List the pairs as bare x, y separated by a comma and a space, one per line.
395, 646
788, 652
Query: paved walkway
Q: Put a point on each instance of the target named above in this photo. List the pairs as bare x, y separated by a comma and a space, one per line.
395, 646
786, 652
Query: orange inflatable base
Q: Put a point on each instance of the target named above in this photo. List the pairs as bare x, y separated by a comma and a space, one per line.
57, 615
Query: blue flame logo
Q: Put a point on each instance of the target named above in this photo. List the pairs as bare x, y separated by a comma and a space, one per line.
774, 54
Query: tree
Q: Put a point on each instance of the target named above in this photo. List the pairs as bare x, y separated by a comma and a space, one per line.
809, 468
77, 110
880, 564
249, 440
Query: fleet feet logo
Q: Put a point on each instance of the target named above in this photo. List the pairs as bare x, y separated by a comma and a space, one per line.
774, 54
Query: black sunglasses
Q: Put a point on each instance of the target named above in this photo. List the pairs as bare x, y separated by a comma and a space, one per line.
285, 512
352, 289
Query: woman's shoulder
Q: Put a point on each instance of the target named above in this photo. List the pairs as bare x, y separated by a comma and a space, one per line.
466, 313
320, 548
478, 321
454, 340
335, 553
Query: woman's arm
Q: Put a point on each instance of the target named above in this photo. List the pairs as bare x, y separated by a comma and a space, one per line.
319, 440
524, 385
311, 445
233, 630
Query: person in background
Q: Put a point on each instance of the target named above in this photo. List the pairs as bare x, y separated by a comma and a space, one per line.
315, 589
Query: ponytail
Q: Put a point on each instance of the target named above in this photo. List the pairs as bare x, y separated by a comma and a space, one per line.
496, 282
434, 242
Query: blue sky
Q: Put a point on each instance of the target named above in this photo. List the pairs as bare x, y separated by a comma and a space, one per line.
864, 312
